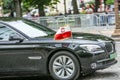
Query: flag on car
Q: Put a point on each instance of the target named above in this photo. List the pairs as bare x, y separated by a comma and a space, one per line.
63, 33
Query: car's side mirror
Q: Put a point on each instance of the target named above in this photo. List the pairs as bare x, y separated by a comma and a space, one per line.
15, 37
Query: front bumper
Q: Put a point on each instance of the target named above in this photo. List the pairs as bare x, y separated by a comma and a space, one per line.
102, 64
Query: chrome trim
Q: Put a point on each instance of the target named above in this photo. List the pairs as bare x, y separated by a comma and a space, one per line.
103, 60
35, 57
97, 52
18, 46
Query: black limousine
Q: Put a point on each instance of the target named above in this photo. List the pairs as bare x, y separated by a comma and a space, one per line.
28, 48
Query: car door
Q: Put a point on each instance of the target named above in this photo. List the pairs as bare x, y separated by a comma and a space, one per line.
14, 54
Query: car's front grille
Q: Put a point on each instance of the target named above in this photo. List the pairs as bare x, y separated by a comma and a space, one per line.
109, 47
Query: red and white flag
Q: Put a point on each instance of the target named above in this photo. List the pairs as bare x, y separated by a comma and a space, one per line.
63, 33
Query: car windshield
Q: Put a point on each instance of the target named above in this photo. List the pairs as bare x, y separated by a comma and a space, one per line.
31, 29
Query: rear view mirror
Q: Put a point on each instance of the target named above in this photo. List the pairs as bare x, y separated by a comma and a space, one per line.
16, 37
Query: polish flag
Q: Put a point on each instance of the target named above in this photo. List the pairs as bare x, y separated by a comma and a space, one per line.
63, 33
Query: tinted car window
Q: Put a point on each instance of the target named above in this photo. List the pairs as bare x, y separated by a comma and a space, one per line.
5, 32
31, 29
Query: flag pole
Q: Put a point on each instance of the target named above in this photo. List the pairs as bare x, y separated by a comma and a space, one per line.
71, 32
71, 35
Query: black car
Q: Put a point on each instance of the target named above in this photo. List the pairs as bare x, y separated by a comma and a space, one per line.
28, 48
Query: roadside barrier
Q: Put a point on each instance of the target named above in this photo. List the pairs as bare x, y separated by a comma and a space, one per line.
80, 20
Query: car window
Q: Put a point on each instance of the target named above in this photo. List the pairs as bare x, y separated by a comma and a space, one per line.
6, 32
40, 27
29, 30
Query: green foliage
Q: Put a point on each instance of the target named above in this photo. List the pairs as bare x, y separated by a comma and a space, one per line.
5, 11
1, 2
90, 2
109, 1
8, 4
39, 2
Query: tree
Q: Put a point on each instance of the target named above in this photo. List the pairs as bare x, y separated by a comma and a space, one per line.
75, 7
117, 19
9, 6
40, 4
90, 2
109, 1
1, 8
0, 2
14, 6
65, 6
18, 8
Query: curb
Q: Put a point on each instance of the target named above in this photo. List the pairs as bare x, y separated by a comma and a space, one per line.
116, 39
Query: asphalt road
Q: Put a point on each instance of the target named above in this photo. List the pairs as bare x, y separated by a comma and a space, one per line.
111, 73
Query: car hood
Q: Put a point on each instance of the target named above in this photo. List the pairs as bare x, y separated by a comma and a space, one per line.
91, 37
77, 38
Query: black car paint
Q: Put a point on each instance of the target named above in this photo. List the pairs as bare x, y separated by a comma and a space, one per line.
14, 55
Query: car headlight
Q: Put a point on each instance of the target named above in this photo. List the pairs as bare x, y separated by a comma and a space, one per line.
92, 48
